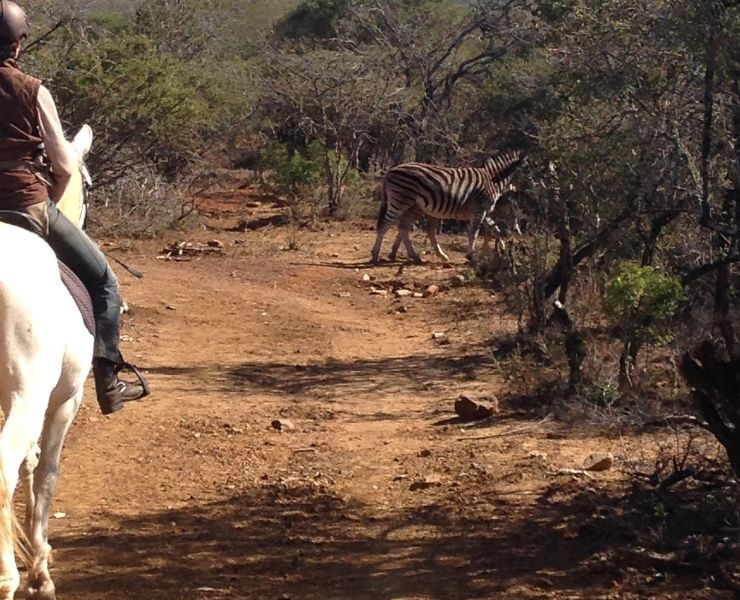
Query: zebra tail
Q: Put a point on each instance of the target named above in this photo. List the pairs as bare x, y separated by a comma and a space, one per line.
383, 206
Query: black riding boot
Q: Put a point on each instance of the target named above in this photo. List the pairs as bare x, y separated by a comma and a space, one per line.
111, 391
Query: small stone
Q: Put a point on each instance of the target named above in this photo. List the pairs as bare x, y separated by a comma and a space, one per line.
470, 410
403, 293
215, 243
366, 277
598, 462
343, 294
432, 290
457, 280
429, 481
283, 425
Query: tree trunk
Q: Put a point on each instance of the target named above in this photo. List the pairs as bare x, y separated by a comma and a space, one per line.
575, 346
715, 389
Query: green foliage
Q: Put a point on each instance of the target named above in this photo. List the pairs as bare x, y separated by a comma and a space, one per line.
641, 299
515, 82
292, 171
110, 21
312, 19
181, 27
553, 11
145, 102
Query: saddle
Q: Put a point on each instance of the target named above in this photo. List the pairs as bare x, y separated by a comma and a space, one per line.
73, 284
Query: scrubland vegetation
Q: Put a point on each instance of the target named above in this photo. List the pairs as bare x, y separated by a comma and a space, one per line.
629, 112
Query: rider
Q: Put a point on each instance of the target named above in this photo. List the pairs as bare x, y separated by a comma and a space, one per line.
29, 118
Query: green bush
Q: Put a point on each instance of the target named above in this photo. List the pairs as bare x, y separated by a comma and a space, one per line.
144, 105
311, 19
641, 299
291, 171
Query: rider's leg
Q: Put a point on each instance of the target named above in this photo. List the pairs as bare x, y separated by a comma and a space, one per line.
74, 248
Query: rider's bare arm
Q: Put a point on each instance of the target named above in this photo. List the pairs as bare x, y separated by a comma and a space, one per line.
57, 148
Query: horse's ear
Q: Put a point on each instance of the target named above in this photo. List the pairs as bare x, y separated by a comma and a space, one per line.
82, 142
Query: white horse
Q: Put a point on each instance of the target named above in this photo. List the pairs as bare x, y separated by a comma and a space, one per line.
74, 200
45, 358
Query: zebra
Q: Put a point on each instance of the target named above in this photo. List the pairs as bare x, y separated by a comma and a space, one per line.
468, 193
431, 226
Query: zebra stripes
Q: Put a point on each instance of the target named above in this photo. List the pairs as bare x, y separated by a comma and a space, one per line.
413, 189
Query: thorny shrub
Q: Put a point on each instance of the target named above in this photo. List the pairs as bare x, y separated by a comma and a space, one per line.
143, 203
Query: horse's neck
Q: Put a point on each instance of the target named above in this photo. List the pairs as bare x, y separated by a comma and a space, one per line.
72, 202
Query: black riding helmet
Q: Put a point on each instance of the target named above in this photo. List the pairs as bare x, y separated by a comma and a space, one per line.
13, 23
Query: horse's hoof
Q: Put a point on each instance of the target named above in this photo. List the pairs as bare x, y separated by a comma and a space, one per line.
45, 591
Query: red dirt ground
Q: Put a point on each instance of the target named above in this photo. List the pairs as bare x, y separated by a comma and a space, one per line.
380, 492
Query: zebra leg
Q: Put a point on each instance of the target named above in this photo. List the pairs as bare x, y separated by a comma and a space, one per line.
385, 221
489, 229
476, 222
408, 220
395, 247
382, 230
410, 251
431, 229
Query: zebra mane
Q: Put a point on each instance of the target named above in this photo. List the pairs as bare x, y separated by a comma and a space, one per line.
503, 163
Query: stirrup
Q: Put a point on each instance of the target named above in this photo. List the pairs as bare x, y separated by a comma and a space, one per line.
139, 375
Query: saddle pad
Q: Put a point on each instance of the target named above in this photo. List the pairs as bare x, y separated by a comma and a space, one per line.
79, 294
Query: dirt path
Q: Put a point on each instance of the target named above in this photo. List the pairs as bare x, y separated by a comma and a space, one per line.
379, 493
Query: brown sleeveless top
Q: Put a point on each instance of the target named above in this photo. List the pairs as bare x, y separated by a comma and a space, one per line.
19, 137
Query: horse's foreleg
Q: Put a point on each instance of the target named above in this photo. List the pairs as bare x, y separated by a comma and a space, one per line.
26, 474
9, 577
24, 416
58, 420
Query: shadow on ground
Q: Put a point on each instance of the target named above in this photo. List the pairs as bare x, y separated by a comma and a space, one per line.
301, 541
409, 375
